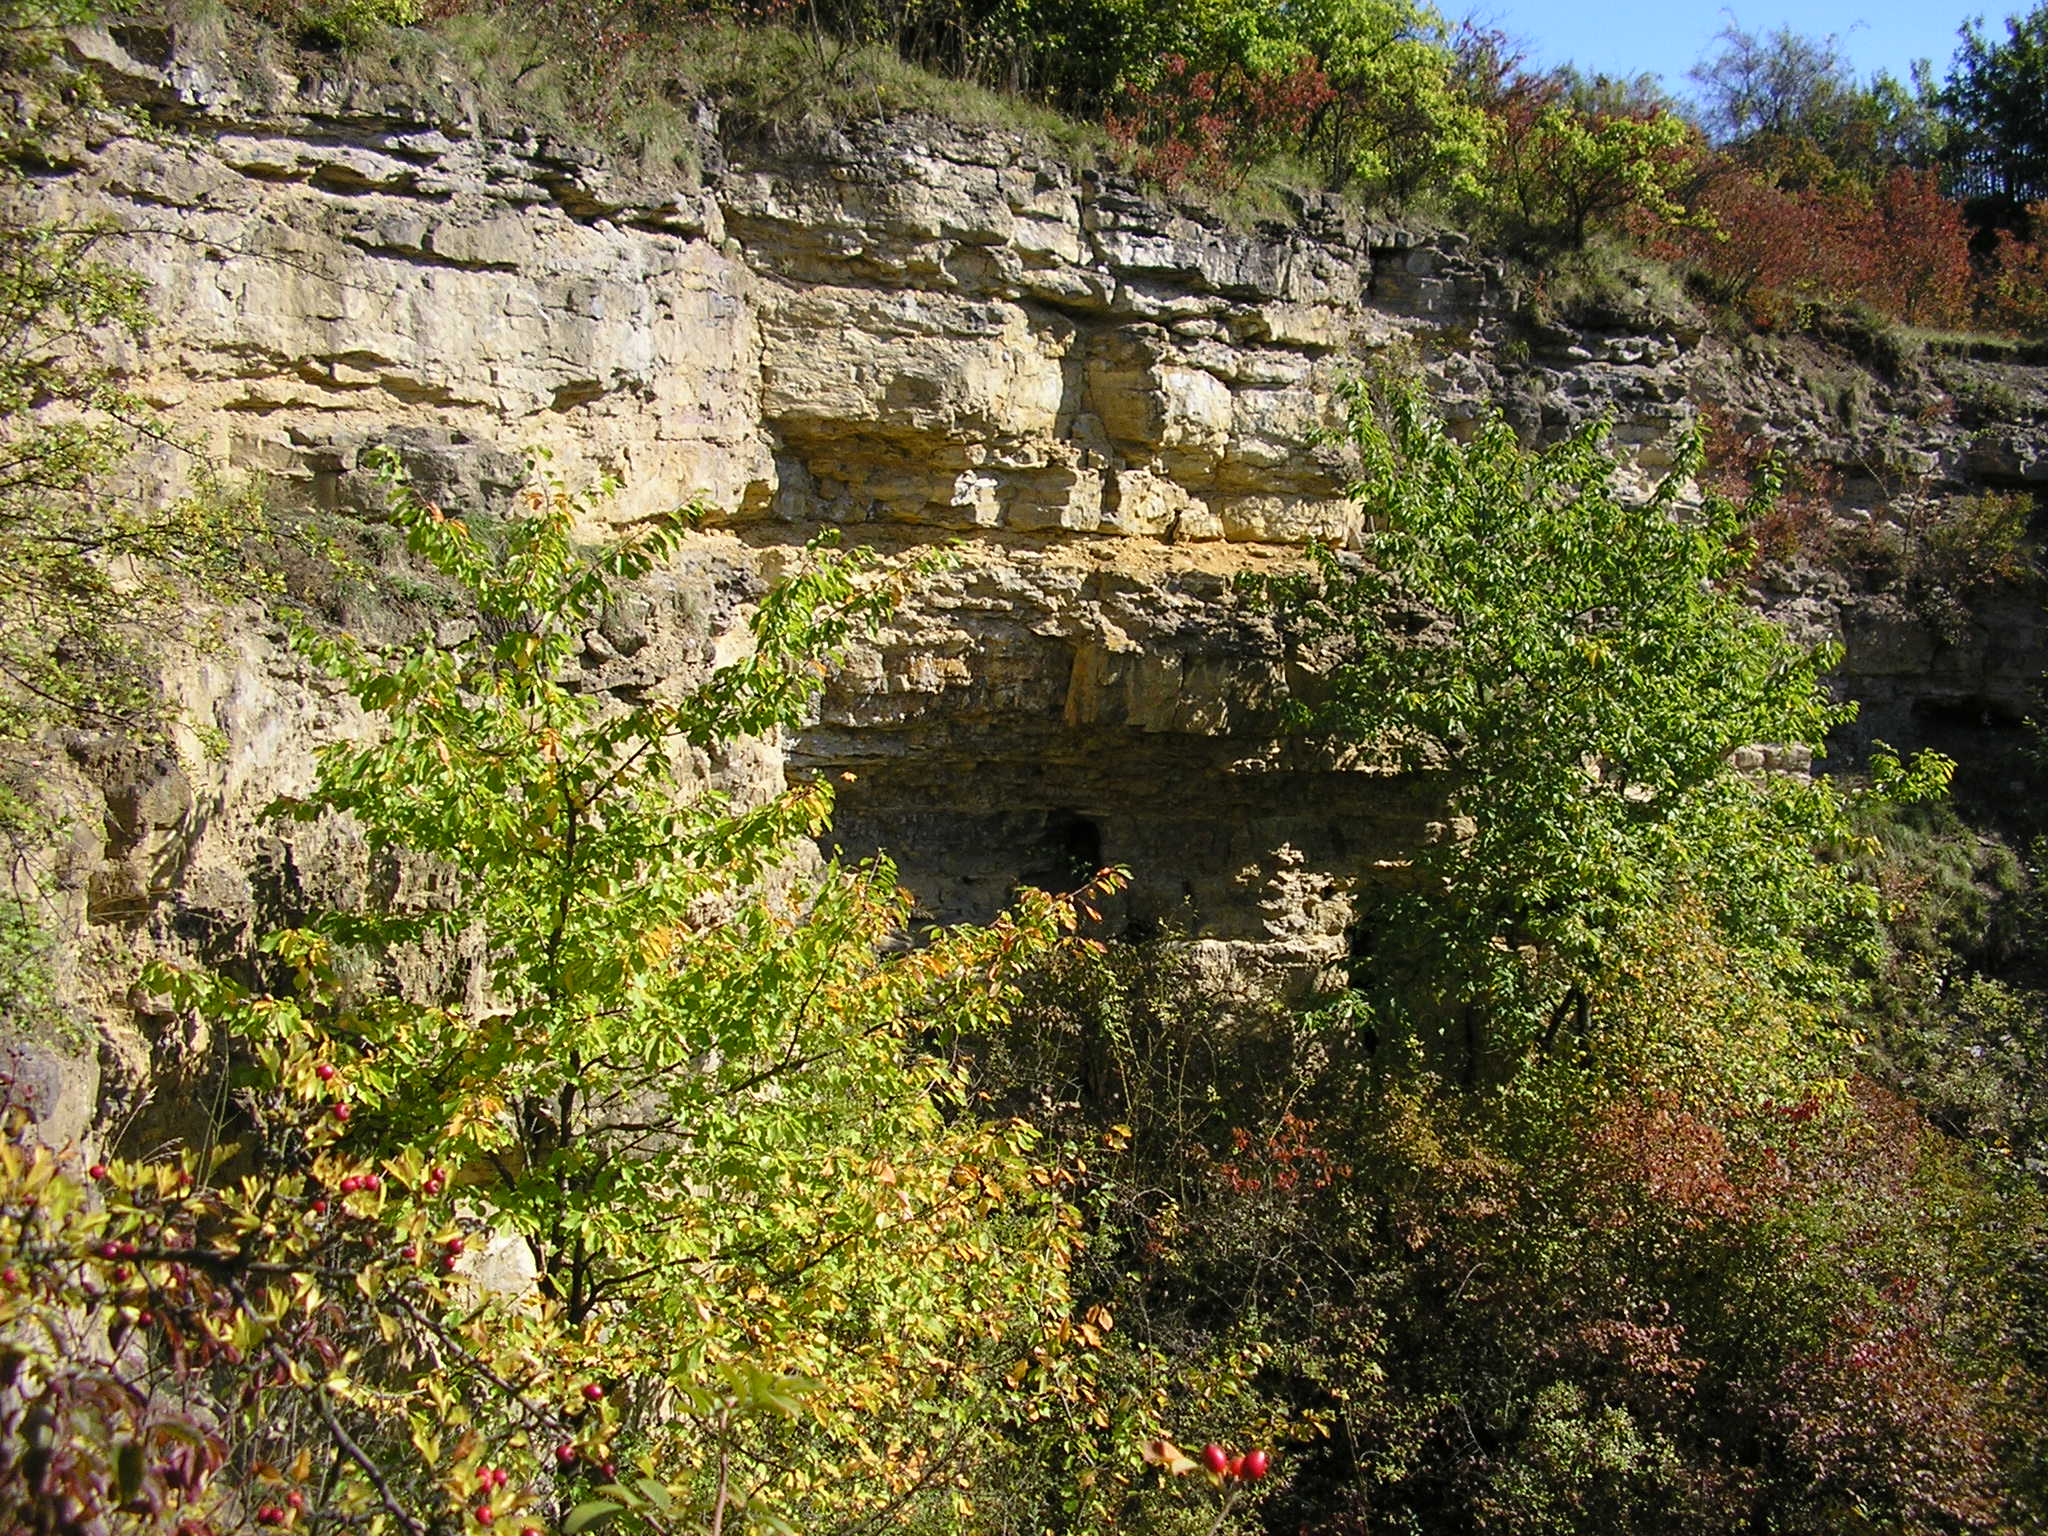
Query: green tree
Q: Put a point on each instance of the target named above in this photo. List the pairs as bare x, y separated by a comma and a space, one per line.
1564, 168
1789, 105
1578, 668
1996, 103
1399, 121
1785, 84
719, 1122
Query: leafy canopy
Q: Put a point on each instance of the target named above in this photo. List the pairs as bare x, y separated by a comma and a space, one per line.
1996, 99
681, 1071
1579, 667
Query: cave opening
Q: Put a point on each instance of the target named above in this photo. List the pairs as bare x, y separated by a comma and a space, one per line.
1066, 855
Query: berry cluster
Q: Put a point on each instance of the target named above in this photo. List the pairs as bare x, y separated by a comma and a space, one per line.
1248, 1467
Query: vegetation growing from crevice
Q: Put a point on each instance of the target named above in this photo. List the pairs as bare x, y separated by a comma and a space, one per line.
94, 578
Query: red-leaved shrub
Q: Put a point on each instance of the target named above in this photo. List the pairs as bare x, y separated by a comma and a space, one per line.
2016, 286
1902, 249
1212, 125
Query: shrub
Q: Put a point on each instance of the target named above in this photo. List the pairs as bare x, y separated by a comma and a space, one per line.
1795, 523
2015, 294
1211, 126
1971, 544
1918, 252
1903, 249
681, 1085
1631, 1301
343, 24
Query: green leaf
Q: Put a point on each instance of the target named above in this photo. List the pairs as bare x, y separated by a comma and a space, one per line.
591, 1514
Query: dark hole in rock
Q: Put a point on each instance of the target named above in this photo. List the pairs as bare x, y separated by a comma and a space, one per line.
1969, 712
1067, 855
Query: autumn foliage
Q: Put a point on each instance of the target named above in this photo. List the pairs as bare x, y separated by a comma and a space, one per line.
2016, 295
1901, 248
1213, 125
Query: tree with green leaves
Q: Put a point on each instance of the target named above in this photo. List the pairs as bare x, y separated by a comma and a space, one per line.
1996, 103
1788, 105
1398, 121
1567, 170
1579, 670
678, 1076
1784, 83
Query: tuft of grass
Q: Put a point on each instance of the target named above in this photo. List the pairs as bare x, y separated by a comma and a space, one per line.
645, 99
1609, 285
1950, 888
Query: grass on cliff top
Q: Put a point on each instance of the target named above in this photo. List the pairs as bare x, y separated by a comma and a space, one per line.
642, 98
768, 84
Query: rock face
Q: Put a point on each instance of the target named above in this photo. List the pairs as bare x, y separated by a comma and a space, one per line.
915, 334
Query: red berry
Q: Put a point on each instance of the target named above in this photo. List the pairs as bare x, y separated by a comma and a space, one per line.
609, 1470
96, 1172
270, 1514
319, 1207
340, 1110
486, 1479
10, 1276
592, 1392
531, 1530
1215, 1458
565, 1454
324, 1072
110, 1250
371, 1181
409, 1253
296, 1499
1255, 1464
145, 1319
484, 1515
448, 1265
1236, 1467
453, 1245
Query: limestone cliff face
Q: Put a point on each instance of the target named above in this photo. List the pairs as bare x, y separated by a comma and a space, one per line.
915, 334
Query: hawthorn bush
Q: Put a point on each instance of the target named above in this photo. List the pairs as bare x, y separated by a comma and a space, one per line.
1212, 126
756, 1262
1798, 521
2015, 293
1638, 1291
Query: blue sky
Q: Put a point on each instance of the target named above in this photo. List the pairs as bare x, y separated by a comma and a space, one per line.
1666, 37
